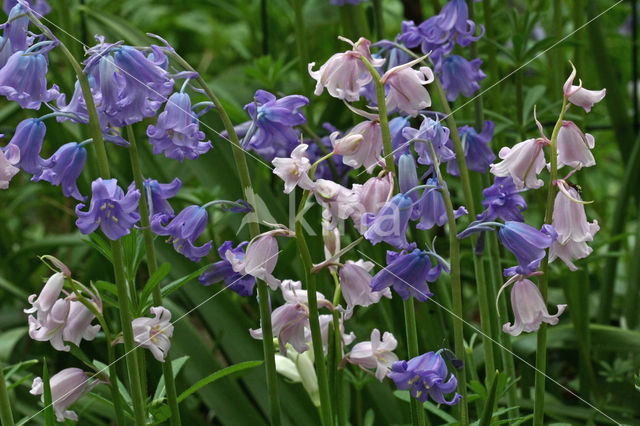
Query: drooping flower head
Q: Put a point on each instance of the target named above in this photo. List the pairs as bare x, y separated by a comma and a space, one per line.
110, 209
408, 179
398, 141
502, 200
67, 386
42, 303
338, 202
522, 162
406, 88
223, 271
16, 30
28, 139
40, 7
156, 195
23, 79
376, 353
431, 208
477, 152
434, 132
177, 132
183, 231
355, 279
65, 166
371, 196
580, 96
459, 76
425, 376
294, 169
574, 146
390, 223
9, 157
153, 333
362, 146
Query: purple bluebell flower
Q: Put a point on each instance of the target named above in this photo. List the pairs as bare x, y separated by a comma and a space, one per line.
66, 164
502, 200
430, 130
477, 152
15, 30
223, 271
5, 51
177, 132
274, 119
390, 223
408, 179
156, 194
28, 138
432, 210
23, 79
454, 17
459, 76
408, 273
40, 7
184, 230
110, 209
398, 141
425, 376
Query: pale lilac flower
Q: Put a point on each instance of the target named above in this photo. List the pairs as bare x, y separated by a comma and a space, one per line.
529, 309
344, 74
292, 292
288, 323
366, 149
294, 170
574, 146
260, 259
338, 201
51, 327
406, 88
154, 333
67, 386
9, 157
376, 353
522, 162
372, 195
223, 271
41, 304
580, 96
355, 280
430, 131
326, 321
569, 218
78, 325
569, 251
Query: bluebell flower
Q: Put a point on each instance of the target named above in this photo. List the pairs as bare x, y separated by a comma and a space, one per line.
110, 209
40, 7
399, 143
5, 51
408, 273
145, 76
502, 200
223, 271
183, 231
459, 76
15, 30
408, 179
23, 79
323, 171
65, 167
156, 194
454, 17
28, 138
274, 134
390, 223
432, 210
430, 130
425, 376
477, 152
177, 131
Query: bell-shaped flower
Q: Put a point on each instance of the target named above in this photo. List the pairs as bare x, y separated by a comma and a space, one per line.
344, 74
425, 376
390, 223
527, 244
41, 304
574, 146
398, 141
432, 209
434, 132
110, 209
40, 7
223, 271
260, 258
183, 231
16, 29
502, 200
294, 169
177, 132
78, 325
360, 147
288, 323
406, 88
355, 282
372, 195
580, 96
376, 353
459, 76
529, 309
28, 139
569, 251
65, 167
522, 162
51, 327
408, 273
23, 79
156, 195
339, 202
9, 157
67, 386
273, 131
154, 333
477, 152
408, 179
569, 218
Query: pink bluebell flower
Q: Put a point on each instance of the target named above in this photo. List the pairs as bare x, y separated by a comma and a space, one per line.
477, 152
28, 139
365, 141
376, 353
154, 333
502, 200
50, 328
288, 323
459, 76
355, 279
9, 157
67, 386
23, 79
65, 167
294, 170
406, 88
371, 196
42, 303
156, 195
223, 271
338, 202
426, 376
580, 96
78, 325
183, 231
574, 146
110, 209
522, 162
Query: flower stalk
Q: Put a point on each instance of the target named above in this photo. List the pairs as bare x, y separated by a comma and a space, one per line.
5, 405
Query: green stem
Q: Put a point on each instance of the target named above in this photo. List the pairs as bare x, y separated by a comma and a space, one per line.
417, 411
5, 405
152, 265
341, 412
456, 287
301, 44
541, 349
254, 229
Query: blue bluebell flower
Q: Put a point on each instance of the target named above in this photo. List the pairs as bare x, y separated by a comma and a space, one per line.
431, 208
177, 132
65, 167
28, 138
430, 130
477, 152
23, 79
425, 376
183, 231
502, 200
408, 179
15, 30
274, 120
390, 223
223, 271
408, 274
5, 51
156, 194
40, 7
398, 141
459, 76
110, 209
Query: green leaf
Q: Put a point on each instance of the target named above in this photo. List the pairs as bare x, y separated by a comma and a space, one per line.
8, 340
243, 366
48, 404
428, 405
153, 282
98, 243
175, 285
161, 391
487, 412
532, 96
